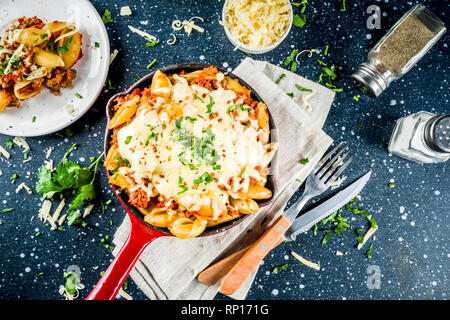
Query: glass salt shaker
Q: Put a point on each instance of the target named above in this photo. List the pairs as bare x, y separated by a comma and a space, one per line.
399, 50
422, 137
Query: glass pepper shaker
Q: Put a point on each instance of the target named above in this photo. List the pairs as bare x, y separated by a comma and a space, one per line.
400, 49
422, 137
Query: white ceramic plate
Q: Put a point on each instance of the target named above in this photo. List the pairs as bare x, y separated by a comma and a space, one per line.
92, 69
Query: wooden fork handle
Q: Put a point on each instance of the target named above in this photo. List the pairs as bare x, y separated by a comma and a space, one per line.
254, 255
217, 271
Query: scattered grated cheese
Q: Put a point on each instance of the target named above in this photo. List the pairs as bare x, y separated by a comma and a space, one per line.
113, 55
145, 22
337, 183
307, 263
339, 253
368, 234
88, 210
62, 219
125, 11
48, 165
44, 211
172, 41
5, 153
21, 143
63, 291
58, 210
48, 152
304, 100
125, 295
1, 172
142, 33
24, 186
187, 25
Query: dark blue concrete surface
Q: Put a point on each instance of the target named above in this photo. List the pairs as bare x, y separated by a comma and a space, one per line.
411, 247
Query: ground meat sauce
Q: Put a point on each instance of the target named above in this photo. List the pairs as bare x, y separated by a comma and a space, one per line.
60, 78
139, 198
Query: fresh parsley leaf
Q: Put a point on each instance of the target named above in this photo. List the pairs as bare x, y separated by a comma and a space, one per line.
63, 49
280, 268
302, 89
106, 18
304, 161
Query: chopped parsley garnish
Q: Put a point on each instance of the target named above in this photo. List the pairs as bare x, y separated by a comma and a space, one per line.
326, 50
302, 89
304, 161
9, 143
299, 20
231, 109
106, 18
291, 94
122, 160
178, 122
79, 96
326, 237
369, 252
192, 120
34, 119
241, 106
280, 78
280, 268
391, 185
294, 66
128, 139
97, 45
151, 63
291, 57
343, 6
151, 43
63, 49
205, 178
7, 210
209, 105
182, 186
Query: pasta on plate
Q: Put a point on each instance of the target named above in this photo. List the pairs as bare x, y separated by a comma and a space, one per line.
191, 151
34, 55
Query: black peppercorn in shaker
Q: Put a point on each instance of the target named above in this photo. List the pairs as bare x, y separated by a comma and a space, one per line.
400, 49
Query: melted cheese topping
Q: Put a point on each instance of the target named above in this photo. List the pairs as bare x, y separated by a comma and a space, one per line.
198, 153
257, 23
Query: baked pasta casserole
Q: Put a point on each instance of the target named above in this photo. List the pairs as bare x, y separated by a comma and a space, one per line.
33, 56
191, 151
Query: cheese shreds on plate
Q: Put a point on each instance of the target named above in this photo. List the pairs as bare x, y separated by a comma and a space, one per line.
307, 263
22, 143
257, 23
366, 237
125, 11
70, 108
187, 25
4, 152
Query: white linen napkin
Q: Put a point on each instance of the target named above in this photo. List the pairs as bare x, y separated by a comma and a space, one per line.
168, 267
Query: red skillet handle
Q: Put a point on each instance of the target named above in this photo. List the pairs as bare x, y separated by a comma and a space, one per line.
112, 280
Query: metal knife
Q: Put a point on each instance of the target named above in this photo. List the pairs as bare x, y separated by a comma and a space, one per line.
301, 224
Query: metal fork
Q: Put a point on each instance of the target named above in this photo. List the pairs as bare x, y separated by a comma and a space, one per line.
325, 172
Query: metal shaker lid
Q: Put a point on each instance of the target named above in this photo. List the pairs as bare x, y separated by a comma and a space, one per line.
437, 133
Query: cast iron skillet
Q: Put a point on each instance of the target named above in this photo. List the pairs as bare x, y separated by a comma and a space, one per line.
142, 233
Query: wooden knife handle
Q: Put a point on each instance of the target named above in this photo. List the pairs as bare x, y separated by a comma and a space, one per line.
217, 271
253, 257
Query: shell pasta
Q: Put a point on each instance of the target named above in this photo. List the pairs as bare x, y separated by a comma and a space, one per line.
34, 55
191, 151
